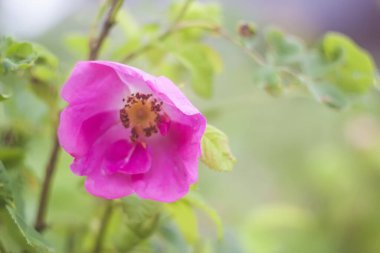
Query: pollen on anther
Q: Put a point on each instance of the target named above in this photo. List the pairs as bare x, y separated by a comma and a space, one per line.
141, 112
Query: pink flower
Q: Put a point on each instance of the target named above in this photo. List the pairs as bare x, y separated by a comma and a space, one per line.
130, 132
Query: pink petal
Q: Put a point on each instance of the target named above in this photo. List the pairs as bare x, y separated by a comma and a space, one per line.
81, 125
109, 186
95, 83
84, 165
174, 164
169, 93
124, 157
166, 181
161, 87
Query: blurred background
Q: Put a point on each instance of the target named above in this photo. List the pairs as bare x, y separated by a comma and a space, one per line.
307, 177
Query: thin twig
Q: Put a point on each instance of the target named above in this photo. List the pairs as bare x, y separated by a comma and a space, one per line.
172, 28
255, 56
40, 224
103, 227
96, 44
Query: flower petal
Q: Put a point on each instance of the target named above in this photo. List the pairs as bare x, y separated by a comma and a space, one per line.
109, 186
84, 165
166, 181
124, 157
171, 94
171, 175
95, 83
81, 125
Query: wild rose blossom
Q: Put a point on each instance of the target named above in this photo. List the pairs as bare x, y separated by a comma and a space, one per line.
130, 132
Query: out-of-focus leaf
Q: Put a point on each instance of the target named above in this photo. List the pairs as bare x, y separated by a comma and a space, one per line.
170, 232
44, 76
280, 225
11, 155
268, 77
45, 57
216, 153
142, 219
196, 201
329, 94
202, 62
45, 91
129, 24
285, 49
354, 70
4, 96
15, 55
184, 216
200, 11
141, 215
6, 194
136, 35
77, 44
8, 199
31, 236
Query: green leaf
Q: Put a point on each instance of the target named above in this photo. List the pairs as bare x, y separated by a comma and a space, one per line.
202, 62
45, 57
8, 199
198, 11
77, 44
184, 216
44, 76
216, 153
354, 69
183, 212
141, 215
11, 155
15, 55
284, 49
6, 192
32, 237
268, 77
4, 96
196, 201
142, 219
329, 94
279, 224
136, 35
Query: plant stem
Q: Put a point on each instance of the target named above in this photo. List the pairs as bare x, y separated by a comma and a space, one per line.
40, 223
172, 28
96, 44
103, 227
252, 54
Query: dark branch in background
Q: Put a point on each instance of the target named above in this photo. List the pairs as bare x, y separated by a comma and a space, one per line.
96, 44
40, 224
103, 227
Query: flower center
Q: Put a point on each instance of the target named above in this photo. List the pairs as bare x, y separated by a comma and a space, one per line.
141, 113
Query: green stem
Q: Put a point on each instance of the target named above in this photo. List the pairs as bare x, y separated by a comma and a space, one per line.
103, 227
40, 223
109, 22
